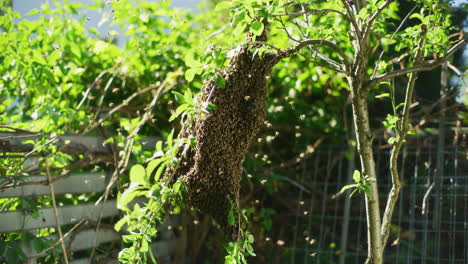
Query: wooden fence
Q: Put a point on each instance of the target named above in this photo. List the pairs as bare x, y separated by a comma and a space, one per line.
74, 216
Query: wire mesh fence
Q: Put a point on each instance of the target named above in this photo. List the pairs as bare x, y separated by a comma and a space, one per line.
430, 223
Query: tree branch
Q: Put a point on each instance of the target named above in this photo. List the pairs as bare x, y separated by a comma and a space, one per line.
352, 18
308, 42
374, 16
324, 11
401, 135
423, 66
391, 38
56, 213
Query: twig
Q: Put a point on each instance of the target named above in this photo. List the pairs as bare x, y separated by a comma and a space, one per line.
323, 11
50, 141
148, 112
309, 150
286, 30
118, 107
288, 52
19, 130
422, 66
331, 63
426, 195
264, 44
374, 16
56, 213
108, 84
98, 78
62, 239
391, 38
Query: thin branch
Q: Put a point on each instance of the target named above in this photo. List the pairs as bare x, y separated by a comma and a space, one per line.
19, 130
323, 11
309, 150
333, 65
455, 69
306, 19
426, 195
402, 131
391, 38
147, 114
352, 18
423, 66
263, 43
62, 238
308, 42
53, 140
286, 30
374, 16
86, 94
56, 213
118, 107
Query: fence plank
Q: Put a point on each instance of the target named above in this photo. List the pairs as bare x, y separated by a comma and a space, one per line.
21, 220
82, 240
13, 142
75, 183
89, 238
160, 249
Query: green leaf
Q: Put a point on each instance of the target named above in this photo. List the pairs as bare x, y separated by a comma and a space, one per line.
138, 175
127, 196
250, 238
399, 105
120, 223
257, 28
239, 29
188, 96
356, 176
152, 165
94, 31
363, 13
158, 147
160, 170
231, 217
411, 132
366, 189
144, 246
223, 5
178, 111
176, 186
220, 82
382, 95
38, 244
190, 73
191, 61
179, 97
33, 12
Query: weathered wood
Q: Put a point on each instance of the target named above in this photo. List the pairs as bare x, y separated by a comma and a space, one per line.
75, 183
160, 249
71, 144
82, 240
22, 220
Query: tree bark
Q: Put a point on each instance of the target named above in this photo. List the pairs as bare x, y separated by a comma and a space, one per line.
364, 146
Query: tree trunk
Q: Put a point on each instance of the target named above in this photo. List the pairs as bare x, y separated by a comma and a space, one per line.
364, 146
